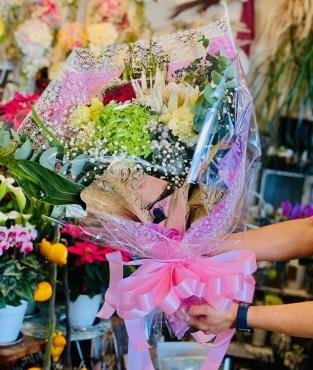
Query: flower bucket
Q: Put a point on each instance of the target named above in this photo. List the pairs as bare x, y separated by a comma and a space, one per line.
84, 309
11, 319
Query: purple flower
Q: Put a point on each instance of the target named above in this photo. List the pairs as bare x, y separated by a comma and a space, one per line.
286, 207
307, 210
296, 212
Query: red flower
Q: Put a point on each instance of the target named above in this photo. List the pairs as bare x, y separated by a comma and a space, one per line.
15, 110
90, 252
119, 94
74, 230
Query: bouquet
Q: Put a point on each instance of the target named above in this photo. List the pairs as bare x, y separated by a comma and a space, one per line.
158, 139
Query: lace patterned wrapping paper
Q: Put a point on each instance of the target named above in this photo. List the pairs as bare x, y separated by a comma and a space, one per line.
176, 268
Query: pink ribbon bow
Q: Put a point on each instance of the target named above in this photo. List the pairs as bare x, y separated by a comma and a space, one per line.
165, 284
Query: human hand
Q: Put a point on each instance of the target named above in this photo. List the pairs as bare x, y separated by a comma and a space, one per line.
210, 320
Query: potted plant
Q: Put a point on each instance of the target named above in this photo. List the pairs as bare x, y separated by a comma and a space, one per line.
20, 266
88, 274
281, 81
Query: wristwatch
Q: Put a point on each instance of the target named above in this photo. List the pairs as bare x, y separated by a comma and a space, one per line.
241, 322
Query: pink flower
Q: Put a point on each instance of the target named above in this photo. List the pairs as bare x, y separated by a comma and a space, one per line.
110, 11
4, 246
27, 246
15, 110
222, 44
4, 232
47, 11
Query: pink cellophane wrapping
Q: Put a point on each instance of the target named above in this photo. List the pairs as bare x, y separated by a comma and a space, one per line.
176, 262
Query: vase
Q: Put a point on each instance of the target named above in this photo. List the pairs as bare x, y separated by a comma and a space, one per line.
83, 310
11, 319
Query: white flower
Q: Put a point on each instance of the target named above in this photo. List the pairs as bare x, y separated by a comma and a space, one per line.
33, 37
101, 35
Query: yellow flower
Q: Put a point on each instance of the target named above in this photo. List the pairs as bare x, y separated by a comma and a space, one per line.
180, 122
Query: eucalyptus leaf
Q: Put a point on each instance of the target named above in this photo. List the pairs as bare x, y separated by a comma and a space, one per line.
199, 110
230, 71
231, 84
78, 165
207, 92
4, 139
48, 158
216, 77
25, 151
15, 136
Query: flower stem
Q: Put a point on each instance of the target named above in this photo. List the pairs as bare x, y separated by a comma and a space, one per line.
52, 315
52, 319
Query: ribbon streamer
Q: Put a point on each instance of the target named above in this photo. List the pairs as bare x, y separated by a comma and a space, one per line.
217, 280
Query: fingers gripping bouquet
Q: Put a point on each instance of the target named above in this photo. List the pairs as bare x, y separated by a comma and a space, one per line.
162, 137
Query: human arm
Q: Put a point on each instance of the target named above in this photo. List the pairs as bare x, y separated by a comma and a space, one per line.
277, 242
294, 319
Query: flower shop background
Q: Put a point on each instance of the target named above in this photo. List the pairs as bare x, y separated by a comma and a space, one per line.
37, 36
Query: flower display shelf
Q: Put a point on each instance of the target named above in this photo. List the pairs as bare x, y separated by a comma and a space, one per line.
37, 326
9, 355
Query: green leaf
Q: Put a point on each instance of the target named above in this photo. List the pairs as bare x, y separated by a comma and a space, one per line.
2, 301
25, 151
208, 91
200, 111
24, 291
48, 158
231, 84
78, 165
4, 139
31, 261
205, 41
230, 71
209, 94
15, 136
216, 77
223, 62
56, 187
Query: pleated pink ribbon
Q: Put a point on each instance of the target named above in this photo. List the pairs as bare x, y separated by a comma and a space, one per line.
165, 284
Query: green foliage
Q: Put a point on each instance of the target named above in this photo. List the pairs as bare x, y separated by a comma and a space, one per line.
35, 168
19, 278
287, 90
90, 278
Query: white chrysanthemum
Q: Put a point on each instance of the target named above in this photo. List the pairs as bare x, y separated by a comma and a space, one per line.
101, 35
33, 37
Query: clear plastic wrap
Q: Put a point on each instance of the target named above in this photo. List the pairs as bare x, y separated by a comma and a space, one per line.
166, 170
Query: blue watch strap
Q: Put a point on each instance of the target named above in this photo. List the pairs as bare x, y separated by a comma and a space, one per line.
241, 322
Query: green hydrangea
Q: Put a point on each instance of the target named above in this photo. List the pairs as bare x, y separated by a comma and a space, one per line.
124, 129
